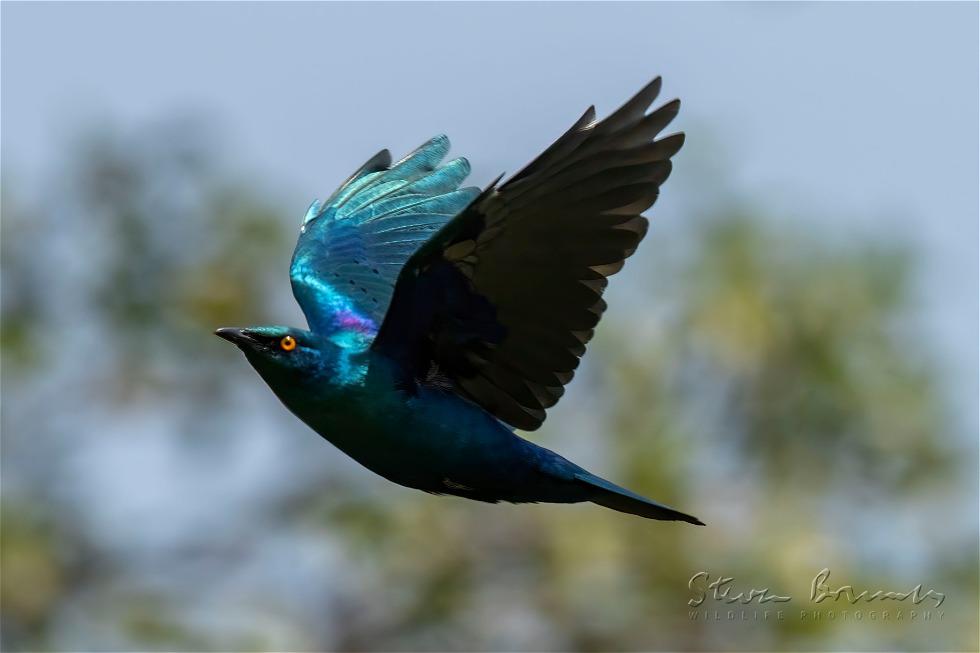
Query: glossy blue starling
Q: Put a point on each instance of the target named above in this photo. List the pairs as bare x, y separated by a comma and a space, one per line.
443, 318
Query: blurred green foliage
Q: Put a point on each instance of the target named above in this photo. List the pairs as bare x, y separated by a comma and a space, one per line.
780, 392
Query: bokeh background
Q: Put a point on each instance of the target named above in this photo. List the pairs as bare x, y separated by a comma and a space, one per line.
792, 355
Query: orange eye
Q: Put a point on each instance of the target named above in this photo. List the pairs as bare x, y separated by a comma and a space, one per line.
288, 343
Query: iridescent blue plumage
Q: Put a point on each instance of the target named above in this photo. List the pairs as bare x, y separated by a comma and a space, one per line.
353, 245
442, 318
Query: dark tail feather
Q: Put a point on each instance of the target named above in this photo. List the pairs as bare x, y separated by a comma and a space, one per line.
612, 496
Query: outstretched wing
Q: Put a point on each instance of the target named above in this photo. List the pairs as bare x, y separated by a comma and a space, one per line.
352, 246
502, 301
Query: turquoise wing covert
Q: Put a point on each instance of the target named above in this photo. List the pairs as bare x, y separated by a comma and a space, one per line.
352, 247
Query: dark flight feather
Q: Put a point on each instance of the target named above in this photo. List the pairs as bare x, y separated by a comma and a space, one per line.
503, 299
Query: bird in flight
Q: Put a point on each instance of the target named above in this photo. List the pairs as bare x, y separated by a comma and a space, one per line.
443, 318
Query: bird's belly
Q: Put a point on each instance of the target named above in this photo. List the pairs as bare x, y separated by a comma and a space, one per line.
432, 443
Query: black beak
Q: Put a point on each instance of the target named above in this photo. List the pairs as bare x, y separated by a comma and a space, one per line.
235, 335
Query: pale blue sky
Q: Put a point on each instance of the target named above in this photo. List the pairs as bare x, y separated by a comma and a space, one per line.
861, 114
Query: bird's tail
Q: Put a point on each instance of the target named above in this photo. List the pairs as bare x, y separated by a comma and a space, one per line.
610, 495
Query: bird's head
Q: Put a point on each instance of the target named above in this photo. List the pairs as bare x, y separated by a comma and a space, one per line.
284, 356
